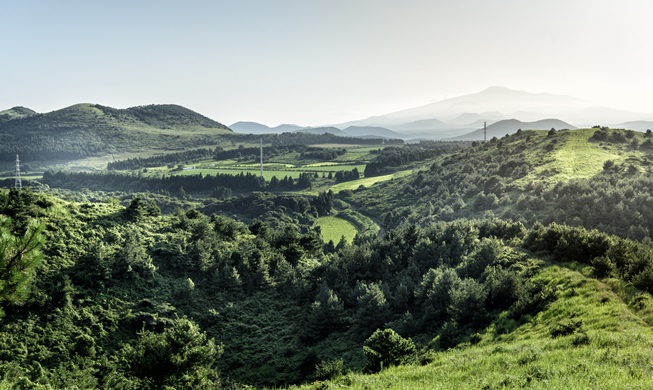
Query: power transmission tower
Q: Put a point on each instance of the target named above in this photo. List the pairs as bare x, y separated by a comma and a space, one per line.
261, 158
18, 184
484, 131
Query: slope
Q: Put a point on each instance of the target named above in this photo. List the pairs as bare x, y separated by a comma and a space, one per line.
15, 112
589, 177
602, 342
89, 130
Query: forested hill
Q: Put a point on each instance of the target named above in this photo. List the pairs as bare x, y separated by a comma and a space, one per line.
87, 130
595, 178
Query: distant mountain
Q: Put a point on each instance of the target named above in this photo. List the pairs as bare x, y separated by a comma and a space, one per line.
637, 125
471, 119
510, 126
371, 131
322, 130
497, 103
250, 128
90, 129
258, 128
421, 125
286, 128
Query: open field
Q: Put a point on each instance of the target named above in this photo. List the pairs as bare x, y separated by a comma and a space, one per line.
334, 228
368, 181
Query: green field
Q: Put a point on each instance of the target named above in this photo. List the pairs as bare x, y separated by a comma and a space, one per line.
368, 181
333, 228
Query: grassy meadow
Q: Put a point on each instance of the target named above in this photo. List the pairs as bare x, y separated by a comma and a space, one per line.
334, 228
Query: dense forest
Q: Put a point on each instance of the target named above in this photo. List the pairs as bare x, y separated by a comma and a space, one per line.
394, 157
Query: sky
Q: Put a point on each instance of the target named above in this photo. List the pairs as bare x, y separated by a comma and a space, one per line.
315, 62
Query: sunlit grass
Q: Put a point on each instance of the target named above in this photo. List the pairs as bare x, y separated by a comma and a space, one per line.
334, 228
368, 181
577, 158
617, 354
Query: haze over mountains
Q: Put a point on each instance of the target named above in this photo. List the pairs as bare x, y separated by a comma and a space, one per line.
462, 116
504, 110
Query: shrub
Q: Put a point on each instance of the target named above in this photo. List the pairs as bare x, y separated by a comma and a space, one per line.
330, 369
386, 348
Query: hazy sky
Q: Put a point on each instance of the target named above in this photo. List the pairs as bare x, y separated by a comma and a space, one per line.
314, 62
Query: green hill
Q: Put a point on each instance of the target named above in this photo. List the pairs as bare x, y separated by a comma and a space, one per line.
590, 177
86, 130
14, 113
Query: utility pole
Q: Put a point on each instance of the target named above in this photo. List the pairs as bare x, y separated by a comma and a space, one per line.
484, 131
261, 158
18, 184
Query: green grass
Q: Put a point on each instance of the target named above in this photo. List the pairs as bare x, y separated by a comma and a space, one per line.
333, 228
577, 157
617, 355
368, 181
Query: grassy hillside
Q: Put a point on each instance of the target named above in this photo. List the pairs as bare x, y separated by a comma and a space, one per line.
578, 158
15, 113
86, 130
607, 345
596, 178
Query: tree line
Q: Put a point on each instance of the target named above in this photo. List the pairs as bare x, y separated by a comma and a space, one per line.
175, 184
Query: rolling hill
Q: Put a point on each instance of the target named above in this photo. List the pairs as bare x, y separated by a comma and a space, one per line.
15, 113
85, 130
510, 126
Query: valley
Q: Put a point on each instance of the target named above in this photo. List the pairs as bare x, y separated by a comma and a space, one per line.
525, 260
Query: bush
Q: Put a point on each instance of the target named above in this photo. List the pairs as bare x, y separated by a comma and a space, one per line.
330, 369
386, 348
